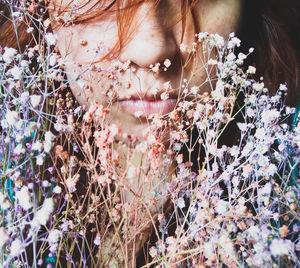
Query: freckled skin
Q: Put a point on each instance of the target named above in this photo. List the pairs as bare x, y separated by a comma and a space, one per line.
156, 37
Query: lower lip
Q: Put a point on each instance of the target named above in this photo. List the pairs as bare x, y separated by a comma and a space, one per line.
148, 107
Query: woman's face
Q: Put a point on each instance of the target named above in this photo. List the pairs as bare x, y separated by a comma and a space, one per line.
154, 36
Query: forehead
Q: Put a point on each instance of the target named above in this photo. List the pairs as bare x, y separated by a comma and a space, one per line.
81, 5
215, 16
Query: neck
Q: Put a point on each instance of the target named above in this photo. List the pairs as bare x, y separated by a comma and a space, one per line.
142, 183
144, 178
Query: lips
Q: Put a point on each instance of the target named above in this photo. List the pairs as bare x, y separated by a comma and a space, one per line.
146, 107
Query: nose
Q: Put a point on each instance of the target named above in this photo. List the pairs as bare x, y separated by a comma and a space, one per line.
152, 41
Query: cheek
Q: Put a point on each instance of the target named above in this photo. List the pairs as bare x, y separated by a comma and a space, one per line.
92, 87
80, 46
83, 44
219, 16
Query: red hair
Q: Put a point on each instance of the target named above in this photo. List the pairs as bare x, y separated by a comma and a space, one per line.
125, 12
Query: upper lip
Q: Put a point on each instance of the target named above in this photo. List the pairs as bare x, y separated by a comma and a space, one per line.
146, 96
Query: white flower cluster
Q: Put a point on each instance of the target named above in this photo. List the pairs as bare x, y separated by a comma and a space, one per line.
233, 211
26, 200
241, 189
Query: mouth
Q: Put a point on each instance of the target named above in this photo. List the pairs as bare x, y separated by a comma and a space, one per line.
147, 106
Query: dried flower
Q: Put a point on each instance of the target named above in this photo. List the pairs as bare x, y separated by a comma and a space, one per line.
9, 54
16, 248
35, 100
51, 39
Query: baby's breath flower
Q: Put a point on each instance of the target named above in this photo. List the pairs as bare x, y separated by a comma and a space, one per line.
242, 126
251, 70
24, 65
209, 249
71, 183
247, 168
242, 56
202, 36
15, 72
222, 207
30, 54
254, 232
269, 116
32, 126
155, 68
50, 39
53, 238
260, 133
78, 110
29, 30
49, 137
97, 240
283, 87
280, 247
58, 127
12, 117
42, 215
183, 48
234, 151
271, 170
289, 110
177, 147
219, 40
252, 99
9, 54
153, 252
231, 56
180, 203
250, 112
37, 146
167, 63
35, 100
53, 61
194, 90
234, 42
47, 23
258, 86
179, 158
164, 95
17, 14
23, 197
212, 62
264, 193
57, 189
45, 183
16, 248
19, 149
24, 97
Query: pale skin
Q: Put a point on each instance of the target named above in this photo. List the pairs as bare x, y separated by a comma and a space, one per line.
155, 37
